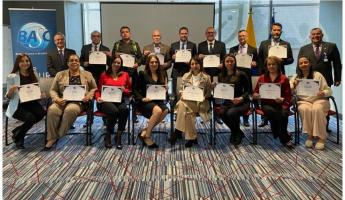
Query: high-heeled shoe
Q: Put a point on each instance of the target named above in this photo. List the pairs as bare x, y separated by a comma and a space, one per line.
107, 141
153, 146
50, 147
141, 138
118, 140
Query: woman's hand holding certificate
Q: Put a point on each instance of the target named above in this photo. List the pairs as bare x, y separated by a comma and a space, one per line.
29, 92
269, 90
156, 92
193, 93
111, 93
308, 87
74, 93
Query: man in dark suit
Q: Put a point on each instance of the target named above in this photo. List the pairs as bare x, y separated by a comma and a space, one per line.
323, 56
157, 47
211, 46
181, 68
276, 31
244, 48
57, 58
95, 45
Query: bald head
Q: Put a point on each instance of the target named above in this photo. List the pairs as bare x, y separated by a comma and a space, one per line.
156, 36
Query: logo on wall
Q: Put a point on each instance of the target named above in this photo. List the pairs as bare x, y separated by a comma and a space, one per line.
34, 36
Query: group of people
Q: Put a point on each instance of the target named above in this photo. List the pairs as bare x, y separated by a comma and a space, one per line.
315, 61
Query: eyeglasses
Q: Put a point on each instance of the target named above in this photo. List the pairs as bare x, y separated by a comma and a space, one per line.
95, 35
210, 32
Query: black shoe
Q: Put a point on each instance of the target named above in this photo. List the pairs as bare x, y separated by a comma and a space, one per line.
189, 143
174, 136
328, 130
118, 140
49, 148
246, 124
219, 121
232, 138
195, 141
263, 123
153, 146
141, 138
289, 145
72, 127
238, 138
20, 145
107, 141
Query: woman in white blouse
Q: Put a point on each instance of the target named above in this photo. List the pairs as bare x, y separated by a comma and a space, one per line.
313, 109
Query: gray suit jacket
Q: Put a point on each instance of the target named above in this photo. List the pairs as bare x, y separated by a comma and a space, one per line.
263, 54
55, 64
164, 49
329, 54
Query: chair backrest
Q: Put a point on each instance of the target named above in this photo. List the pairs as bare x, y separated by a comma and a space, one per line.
254, 81
45, 84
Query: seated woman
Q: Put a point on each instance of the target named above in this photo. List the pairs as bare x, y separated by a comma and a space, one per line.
186, 110
154, 110
29, 112
231, 110
313, 109
276, 110
114, 76
62, 113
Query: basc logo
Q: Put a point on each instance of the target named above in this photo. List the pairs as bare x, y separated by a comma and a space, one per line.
34, 36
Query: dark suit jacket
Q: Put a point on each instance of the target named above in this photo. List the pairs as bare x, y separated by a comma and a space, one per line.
55, 64
218, 48
95, 70
329, 54
250, 51
181, 68
263, 54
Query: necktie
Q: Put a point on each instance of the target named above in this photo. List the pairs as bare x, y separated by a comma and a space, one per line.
211, 47
241, 49
61, 55
317, 52
183, 45
95, 48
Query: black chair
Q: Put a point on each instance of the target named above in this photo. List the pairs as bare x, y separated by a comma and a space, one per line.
336, 114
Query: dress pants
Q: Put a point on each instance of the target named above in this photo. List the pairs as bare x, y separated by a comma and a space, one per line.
231, 116
313, 117
185, 118
61, 118
114, 112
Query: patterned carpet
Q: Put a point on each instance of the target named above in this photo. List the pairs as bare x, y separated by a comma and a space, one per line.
263, 171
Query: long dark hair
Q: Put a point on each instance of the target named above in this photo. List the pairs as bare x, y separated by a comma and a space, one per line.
110, 70
224, 70
198, 60
299, 71
161, 75
276, 61
15, 69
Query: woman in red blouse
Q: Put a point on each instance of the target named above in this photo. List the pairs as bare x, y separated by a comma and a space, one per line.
276, 110
114, 76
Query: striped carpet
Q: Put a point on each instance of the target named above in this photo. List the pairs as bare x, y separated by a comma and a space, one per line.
263, 171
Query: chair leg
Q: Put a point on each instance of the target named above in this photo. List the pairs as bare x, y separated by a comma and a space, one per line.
255, 128
6, 131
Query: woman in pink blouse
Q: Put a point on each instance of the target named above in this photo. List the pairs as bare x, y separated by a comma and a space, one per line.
114, 76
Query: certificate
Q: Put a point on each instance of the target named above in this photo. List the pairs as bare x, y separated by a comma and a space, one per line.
211, 61
193, 93
183, 55
244, 60
74, 92
279, 51
111, 94
97, 58
224, 91
269, 90
308, 87
156, 92
29, 92
128, 60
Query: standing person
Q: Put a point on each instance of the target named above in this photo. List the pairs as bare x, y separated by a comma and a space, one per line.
157, 47
29, 112
96, 45
62, 113
323, 56
276, 110
187, 110
114, 76
313, 109
276, 31
57, 58
231, 110
128, 46
211, 46
154, 110
179, 69
244, 48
